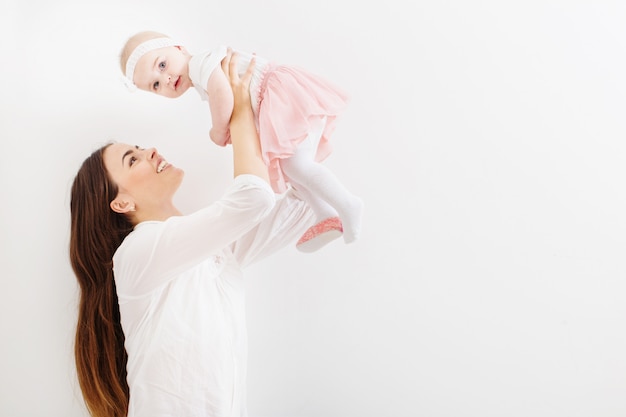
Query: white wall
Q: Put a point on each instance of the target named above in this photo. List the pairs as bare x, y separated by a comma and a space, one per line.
487, 139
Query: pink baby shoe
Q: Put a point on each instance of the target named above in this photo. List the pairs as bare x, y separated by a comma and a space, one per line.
320, 234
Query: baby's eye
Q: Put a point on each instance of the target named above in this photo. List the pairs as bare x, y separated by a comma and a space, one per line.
162, 65
155, 86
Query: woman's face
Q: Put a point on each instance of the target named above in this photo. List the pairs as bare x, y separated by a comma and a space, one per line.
144, 178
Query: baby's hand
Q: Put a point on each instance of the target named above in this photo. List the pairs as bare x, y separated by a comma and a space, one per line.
220, 138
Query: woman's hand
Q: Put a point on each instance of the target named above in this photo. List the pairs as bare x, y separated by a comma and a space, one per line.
240, 86
243, 134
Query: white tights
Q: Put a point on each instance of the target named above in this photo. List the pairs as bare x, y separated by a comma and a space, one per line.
320, 188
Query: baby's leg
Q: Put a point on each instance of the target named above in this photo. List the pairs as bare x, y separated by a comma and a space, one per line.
302, 169
321, 208
327, 226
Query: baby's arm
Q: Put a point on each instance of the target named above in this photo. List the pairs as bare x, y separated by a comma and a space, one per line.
221, 106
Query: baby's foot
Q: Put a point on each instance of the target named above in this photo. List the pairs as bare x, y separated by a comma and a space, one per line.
351, 220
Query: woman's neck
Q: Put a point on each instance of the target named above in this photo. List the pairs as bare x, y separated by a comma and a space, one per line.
161, 214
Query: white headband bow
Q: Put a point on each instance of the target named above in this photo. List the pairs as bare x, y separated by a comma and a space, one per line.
142, 49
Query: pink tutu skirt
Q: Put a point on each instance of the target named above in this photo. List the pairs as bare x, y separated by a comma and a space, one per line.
289, 99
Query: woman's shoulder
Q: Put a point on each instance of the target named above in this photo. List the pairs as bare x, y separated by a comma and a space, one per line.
134, 242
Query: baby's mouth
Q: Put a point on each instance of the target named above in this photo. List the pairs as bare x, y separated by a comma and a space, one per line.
176, 83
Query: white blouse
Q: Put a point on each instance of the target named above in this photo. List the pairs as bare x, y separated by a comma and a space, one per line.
181, 296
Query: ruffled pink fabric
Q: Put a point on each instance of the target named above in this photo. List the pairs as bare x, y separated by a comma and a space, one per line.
290, 98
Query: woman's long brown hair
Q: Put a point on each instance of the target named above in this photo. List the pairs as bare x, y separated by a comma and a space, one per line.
96, 233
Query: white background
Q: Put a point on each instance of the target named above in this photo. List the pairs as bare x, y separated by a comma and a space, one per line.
487, 139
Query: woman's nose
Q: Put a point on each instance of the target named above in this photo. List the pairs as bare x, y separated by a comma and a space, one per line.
151, 153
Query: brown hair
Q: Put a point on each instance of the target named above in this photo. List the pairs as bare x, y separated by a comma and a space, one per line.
96, 233
133, 42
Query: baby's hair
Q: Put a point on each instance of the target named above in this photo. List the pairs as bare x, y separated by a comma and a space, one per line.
132, 43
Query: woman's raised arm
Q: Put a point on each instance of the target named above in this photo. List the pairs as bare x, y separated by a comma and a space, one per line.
243, 133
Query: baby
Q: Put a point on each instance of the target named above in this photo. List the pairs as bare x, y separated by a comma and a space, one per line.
295, 113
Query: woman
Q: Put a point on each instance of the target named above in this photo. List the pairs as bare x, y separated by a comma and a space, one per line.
161, 326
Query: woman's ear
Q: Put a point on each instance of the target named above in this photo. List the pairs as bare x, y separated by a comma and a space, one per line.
122, 205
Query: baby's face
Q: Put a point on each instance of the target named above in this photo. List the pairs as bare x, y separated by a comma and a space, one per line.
164, 71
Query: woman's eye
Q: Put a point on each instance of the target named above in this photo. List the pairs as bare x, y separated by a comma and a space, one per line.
132, 160
155, 86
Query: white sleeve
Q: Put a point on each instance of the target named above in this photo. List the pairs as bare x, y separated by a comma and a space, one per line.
287, 221
156, 252
202, 65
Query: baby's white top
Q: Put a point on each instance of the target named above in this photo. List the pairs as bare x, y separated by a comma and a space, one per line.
202, 65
